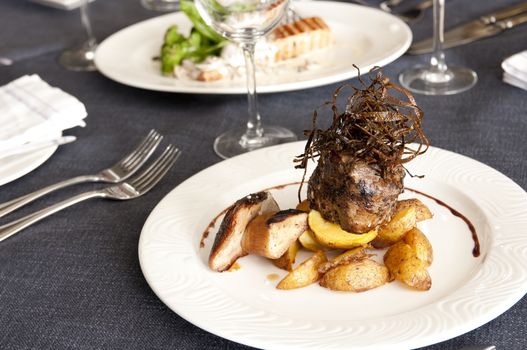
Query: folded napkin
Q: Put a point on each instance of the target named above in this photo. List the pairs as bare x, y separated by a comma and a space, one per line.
515, 70
32, 111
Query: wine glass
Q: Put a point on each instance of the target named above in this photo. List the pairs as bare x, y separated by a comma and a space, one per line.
244, 22
81, 58
437, 78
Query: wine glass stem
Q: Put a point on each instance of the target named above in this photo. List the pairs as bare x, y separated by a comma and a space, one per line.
254, 129
85, 19
437, 62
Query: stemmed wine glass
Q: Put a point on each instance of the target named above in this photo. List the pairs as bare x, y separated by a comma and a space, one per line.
81, 58
244, 22
438, 78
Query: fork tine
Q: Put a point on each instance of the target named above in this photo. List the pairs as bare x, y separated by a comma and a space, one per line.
151, 134
157, 170
167, 159
136, 181
160, 172
143, 153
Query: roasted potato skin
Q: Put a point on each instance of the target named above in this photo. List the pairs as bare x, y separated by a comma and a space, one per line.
305, 274
287, 260
421, 210
405, 266
403, 221
351, 255
357, 276
422, 247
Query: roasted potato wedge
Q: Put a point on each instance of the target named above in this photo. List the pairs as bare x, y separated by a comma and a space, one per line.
421, 211
352, 255
403, 221
287, 260
305, 274
357, 276
405, 266
308, 241
333, 236
421, 246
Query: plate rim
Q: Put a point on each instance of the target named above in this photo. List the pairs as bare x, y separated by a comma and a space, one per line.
45, 154
429, 339
271, 88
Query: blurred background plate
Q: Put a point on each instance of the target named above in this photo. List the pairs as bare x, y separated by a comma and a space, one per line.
365, 37
61, 4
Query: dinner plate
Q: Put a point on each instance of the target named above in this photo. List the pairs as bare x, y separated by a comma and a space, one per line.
244, 305
16, 166
365, 37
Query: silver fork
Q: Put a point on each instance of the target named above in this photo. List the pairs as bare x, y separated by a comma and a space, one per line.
118, 172
130, 189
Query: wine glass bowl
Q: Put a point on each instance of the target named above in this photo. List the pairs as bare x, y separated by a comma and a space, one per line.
244, 22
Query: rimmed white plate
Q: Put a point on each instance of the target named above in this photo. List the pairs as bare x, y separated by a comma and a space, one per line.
16, 166
365, 37
245, 307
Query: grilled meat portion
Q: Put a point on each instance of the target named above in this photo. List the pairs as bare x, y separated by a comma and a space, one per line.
228, 242
353, 193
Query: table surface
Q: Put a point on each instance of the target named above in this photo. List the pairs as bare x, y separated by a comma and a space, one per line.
74, 281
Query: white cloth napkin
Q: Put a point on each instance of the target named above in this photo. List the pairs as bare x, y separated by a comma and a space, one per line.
32, 111
515, 70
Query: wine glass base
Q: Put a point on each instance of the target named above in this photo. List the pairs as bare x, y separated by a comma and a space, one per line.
161, 5
79, 59
422, 80
229, 144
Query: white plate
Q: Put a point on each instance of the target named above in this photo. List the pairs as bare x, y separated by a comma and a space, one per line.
16, 166
364, 36
61, 4
245, 307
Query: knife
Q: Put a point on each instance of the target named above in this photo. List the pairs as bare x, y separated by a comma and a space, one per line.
482, 27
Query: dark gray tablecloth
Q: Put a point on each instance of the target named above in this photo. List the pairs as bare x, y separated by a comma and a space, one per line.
73, 281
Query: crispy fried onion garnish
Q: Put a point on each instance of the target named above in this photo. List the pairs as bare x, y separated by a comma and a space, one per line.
376, 126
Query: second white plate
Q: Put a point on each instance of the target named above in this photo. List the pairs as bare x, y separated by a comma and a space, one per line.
365, 37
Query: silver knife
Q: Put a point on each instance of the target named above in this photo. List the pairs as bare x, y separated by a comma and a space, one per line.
482, 27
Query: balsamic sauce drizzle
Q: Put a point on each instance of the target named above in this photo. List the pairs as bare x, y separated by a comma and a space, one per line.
476, 251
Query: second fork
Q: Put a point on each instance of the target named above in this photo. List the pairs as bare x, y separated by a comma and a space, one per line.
120, 171
130, 189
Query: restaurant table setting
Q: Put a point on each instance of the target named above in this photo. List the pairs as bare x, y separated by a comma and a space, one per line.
172, 153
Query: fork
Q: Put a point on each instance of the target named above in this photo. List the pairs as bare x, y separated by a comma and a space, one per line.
130, 189
118, 172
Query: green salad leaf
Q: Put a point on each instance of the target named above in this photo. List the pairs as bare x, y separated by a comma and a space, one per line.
202, 41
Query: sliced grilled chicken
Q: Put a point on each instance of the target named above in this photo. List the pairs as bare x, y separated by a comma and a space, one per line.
270, 235
227, 245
